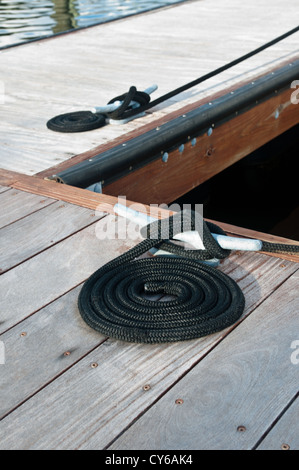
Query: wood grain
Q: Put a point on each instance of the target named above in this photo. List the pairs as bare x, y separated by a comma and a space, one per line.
110, 396
284, 434
160, 120
17, 204
77, 72
3, 189
45, 277
238, 384
105, 203
42, 229
57, 336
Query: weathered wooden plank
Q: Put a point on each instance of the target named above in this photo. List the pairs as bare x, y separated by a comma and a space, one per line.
3, 189
235, 393
105, 203
45, 277
57, 336
7, 177
284, 435
111, 395
78, 196
40, 230
110, 48
17, 204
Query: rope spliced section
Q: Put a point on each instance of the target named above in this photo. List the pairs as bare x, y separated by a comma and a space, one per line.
206, 300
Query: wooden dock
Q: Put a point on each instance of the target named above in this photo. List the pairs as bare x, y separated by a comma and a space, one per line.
169, 47
62, 384
65, 386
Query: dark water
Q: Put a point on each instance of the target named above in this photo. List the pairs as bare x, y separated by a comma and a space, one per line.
25, 20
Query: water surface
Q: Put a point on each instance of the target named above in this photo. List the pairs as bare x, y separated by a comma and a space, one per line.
21, 21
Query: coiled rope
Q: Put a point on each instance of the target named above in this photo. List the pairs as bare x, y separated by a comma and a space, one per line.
205, 300
78, 121
65, 122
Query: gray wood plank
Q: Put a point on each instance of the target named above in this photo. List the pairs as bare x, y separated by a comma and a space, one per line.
109, 48
38, 231
57, 336
3, 189
58, 328
45, 277
232, 397
285, 434
109, 397
16, 204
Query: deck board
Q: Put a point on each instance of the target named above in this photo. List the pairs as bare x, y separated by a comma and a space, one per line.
140, 50
58, 328
45, 277
284, 434
238, 384
65, 386
67, 404
113, 392
17, 204
41, 230
3, 189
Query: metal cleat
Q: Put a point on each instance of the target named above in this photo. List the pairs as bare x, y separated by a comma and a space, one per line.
109, 108
191, 237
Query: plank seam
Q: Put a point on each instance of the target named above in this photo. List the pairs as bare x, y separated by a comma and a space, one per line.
51, 380
283, 411
210, 349
213, 346
53, 244
30, 213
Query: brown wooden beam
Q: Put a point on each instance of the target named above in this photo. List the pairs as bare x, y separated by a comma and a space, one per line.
162, 182
104, 203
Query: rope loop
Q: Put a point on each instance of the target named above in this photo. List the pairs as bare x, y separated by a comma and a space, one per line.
203, 299
133, 94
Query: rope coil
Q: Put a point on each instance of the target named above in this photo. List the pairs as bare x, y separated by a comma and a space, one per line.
206, 300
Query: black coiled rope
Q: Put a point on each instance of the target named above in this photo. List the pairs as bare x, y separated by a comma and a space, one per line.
205, 301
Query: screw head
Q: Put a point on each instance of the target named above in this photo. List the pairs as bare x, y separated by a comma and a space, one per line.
179, 401
241, 428
285, 447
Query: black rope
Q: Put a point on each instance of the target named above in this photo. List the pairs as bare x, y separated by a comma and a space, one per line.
76, 122
133, 95
131, 112
205, 301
